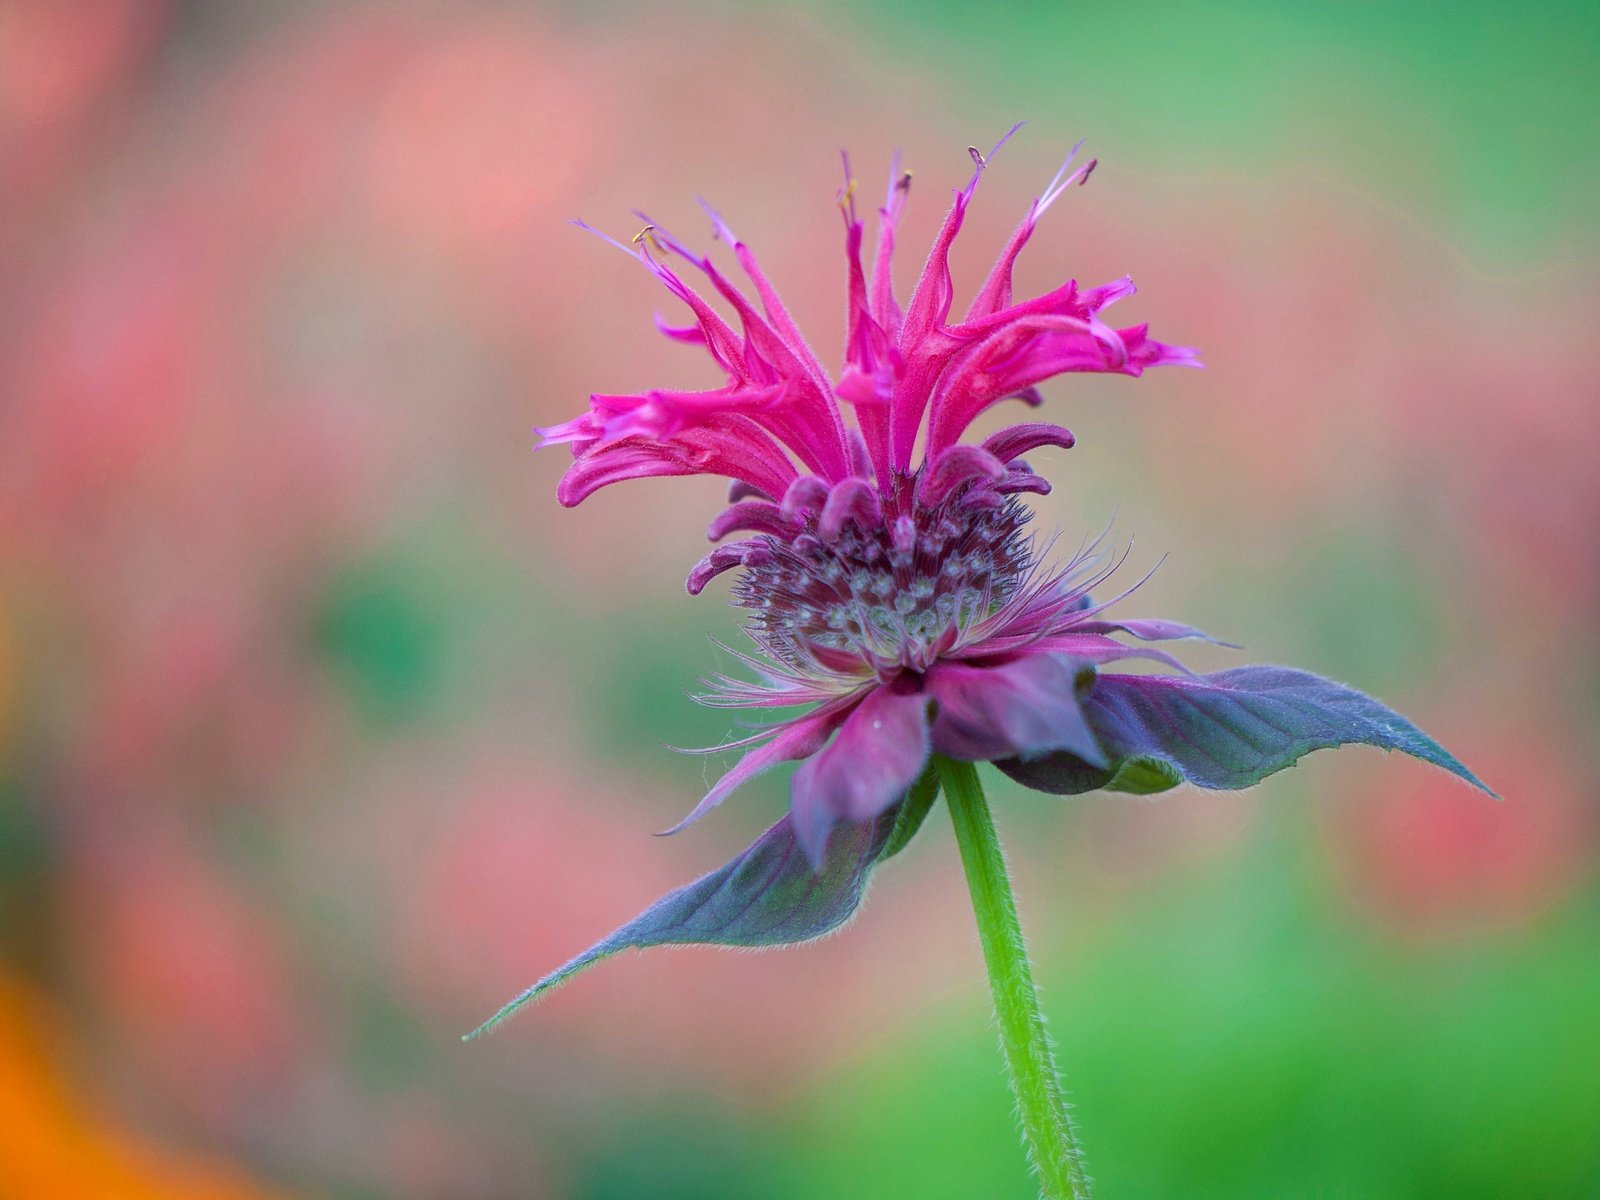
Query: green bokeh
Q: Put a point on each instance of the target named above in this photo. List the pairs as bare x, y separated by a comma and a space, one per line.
686, 1150
379, 626
1502, 97
1232, 1034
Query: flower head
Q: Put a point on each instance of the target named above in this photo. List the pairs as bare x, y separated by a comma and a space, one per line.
891, 587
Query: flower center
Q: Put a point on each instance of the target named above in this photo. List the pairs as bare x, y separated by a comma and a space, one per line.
896, 595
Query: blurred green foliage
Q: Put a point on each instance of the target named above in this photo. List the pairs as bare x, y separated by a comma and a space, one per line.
1231, 1033
380, 627
685, 1149
1501, 96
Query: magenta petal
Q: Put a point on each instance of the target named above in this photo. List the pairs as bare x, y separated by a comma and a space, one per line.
951, 468
851, 499
756, 516
583, 428
805, 496
1144, 351
922, 342
613, 464
1017, 440
1021, 479
723, 558
691, 335
730, 444
873, 760
1021, 709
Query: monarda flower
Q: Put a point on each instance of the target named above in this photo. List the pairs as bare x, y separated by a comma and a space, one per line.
894, 595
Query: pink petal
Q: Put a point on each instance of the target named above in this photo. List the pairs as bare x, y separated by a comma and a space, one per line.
874, 759
798, 738
1020, 709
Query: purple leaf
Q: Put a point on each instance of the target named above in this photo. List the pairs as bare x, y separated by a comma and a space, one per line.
1227, 730
767, 896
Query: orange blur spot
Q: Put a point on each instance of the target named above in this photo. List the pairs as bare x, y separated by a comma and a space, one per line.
52, 1145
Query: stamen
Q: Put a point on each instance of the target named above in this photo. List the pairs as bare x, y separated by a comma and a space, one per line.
647, 238
846, 197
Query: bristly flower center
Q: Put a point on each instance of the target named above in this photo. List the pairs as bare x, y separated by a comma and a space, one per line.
892, 596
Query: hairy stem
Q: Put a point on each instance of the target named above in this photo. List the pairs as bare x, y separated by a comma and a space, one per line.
1046, 1127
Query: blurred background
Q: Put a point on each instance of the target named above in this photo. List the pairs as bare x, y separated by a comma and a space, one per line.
323, 730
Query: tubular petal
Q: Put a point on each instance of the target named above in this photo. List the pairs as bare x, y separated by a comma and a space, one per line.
1017, 440
1023, 481
1025, 352
806, 496
816, 430
852, 500
723, 558
925, 317
954, 467
692, 335
996, 291
730, 445
759, 516
592, 472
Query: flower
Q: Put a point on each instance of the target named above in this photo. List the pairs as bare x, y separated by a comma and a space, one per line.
897, 598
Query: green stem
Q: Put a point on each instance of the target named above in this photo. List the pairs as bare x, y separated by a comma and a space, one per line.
1040, 1103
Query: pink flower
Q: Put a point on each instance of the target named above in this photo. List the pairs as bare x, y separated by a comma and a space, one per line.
778, 424
897, 597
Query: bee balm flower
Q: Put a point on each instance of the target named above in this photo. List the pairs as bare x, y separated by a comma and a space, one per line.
891, 587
